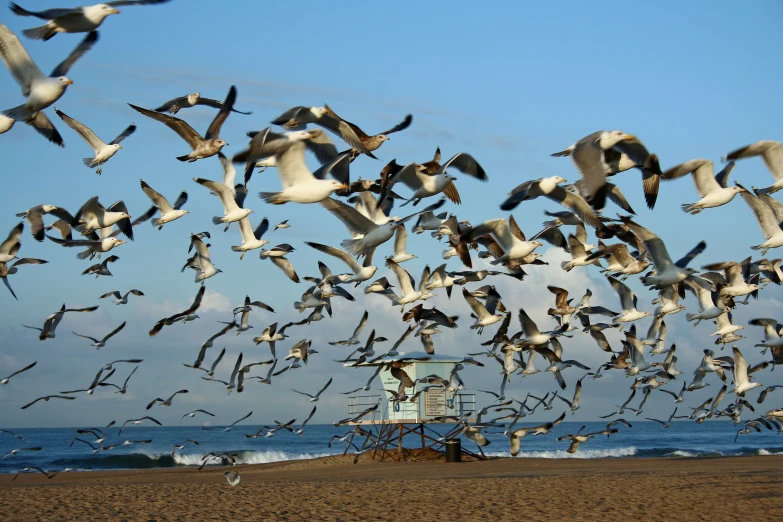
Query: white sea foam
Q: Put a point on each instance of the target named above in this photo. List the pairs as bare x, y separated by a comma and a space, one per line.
680, 453
581, 454
762, 451
248, 457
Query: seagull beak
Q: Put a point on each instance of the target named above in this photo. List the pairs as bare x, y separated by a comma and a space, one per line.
68, 82
344, 187
115, 11
629, 137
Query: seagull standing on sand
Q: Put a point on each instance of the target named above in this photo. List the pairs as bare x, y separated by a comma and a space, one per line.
103, 151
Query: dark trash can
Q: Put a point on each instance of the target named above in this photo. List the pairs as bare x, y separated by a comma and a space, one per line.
453, 450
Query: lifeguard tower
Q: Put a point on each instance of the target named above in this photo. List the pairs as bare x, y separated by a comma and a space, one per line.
437, 404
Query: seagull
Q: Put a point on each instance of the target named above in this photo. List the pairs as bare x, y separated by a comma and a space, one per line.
15, 451
483, 316
713, 189
271, 334
740, 372
232, 477
667, 273
51, 322
282, 224
251, 239
121, 299
245, 311
515, 436
35, 218
5, 380
102, 268
666, 424
124, 388
628, 302
204, 147
768, 221
46, 398
48, 475
173, 106
707, 307
405, 284
400, 240
300, 431
12, 434
772, 154
167, 321
41, 91
232, 211
5, 270
573, 404
297, 118
168, 213
197, 365
508, 236
136, 422
103, 151
426, 182
228, 428
95, 382
678, 398
314, 398
550, 187
94, 246
360, 272
361, 142
277, 256
182, 446
193, 414
206, 268
354, 339
533, 337
166, 402
73, 19
98, 344
605, 153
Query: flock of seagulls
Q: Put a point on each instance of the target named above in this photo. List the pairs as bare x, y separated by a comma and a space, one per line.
623, 249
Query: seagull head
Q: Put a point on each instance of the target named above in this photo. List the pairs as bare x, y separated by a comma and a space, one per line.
221, 143
382, 137
611, 138
106, 9
318, 111
560, 179
65, 81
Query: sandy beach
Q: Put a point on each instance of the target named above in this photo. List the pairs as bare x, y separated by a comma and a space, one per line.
333, 488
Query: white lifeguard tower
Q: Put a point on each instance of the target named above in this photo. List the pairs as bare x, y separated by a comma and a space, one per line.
435, 405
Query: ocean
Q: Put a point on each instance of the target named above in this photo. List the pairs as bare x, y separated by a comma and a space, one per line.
645, 439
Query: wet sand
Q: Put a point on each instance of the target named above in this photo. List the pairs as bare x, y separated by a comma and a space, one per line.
333, 488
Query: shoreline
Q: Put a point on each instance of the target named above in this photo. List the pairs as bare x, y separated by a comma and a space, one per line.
333, 488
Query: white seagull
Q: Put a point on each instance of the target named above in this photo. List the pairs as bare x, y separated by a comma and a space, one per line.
98, 344
103, 151
168, 213
713, 189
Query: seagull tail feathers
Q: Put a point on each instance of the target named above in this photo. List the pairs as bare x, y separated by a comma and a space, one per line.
186, 157
44, 32
19, 113
691, 317
271, 197
217, 220
354, 246
691, 208
88, 162
565, 266
84, 255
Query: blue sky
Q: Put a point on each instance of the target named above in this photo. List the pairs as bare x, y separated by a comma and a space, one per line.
508, 83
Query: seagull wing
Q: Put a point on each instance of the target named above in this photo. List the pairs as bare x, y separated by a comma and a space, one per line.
466, 164
45, 128
763, 213
225, 193
287, 268
404, 278
339, 254
179, 126
82, 130
528, 326
214, 128
577, 204
404, 124
19, 63
157, 199
114, 332
85, 45
354, 220
130, 129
